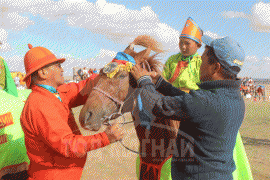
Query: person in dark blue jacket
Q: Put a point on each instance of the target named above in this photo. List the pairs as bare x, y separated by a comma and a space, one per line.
210, 117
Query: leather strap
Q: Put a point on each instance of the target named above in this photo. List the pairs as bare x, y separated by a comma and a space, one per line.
155, 167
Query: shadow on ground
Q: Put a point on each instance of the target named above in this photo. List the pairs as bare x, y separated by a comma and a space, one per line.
255, 142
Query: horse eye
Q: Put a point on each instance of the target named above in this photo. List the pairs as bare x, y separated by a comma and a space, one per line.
122, 76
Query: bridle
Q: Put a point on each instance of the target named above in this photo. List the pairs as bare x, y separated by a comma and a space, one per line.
107, 119
121, 103
115, 100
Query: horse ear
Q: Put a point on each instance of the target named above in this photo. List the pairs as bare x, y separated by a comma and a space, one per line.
142, 55
130, 52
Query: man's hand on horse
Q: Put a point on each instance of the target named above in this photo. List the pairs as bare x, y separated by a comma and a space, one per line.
155, 75
115, 132
138, 71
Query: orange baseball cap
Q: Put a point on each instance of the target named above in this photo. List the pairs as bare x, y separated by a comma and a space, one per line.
192, 31
35, 59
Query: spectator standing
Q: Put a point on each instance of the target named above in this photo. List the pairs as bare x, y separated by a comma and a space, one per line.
80, 73
13, 158
17, 80
90, 72
85, 73
95, 71
260, 92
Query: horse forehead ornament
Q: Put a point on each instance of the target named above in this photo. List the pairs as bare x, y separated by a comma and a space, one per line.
122, 62
112, 68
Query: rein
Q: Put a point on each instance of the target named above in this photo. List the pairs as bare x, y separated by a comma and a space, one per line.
118, 102
121, 103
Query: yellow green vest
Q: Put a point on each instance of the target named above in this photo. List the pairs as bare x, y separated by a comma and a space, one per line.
12, 146
189, 77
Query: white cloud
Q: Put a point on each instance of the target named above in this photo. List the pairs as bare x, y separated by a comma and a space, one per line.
255, 67
10, 18
212, 35
116, 22
15, 63
259, 17
4, 45
234, 14
104, 57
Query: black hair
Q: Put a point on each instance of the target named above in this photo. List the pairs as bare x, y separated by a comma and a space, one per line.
226, 74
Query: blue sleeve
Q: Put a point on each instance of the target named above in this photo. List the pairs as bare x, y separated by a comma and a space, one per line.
167, 89
159, 105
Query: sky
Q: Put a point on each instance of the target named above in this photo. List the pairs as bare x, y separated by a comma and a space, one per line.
89, 33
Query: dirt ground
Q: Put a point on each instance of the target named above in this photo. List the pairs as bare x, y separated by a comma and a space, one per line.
116, 162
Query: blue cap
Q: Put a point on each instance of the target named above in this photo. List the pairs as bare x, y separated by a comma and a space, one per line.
229, 53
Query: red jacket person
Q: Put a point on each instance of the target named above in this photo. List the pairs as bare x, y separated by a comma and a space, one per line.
55, 146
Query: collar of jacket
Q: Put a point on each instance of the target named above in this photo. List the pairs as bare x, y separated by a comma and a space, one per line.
188, 58
36, 88
229, 84
49, 88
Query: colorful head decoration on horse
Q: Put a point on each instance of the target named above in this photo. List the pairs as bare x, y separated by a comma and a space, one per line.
124, 61
192, 31
121, 62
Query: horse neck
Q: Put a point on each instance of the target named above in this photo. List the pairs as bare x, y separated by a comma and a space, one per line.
129, 101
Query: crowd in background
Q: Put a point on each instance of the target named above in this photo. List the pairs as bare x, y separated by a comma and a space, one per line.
83, 74
18, 79
251, 91
248, 88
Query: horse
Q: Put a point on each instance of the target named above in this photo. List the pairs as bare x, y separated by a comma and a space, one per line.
116, 95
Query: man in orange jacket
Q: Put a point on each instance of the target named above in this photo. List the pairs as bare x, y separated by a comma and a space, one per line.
55, 146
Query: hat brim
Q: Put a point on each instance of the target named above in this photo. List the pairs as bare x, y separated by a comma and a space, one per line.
42, 65
207, 40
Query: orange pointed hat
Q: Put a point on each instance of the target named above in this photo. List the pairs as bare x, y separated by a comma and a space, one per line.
192, 31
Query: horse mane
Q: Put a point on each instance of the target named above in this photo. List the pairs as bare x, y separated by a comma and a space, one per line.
152, 61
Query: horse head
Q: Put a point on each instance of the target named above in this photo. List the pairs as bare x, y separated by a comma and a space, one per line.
111, 91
